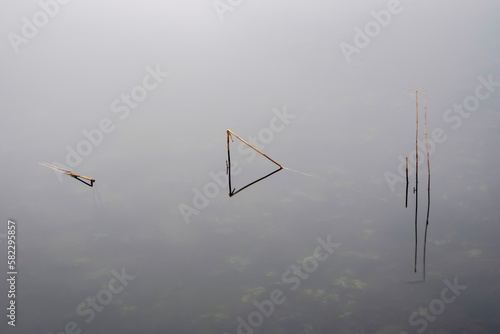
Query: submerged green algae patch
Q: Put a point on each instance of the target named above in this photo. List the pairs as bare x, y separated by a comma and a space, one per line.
359, 255
350, 283
251, 294
123, 307
238, 263
127, 309
96, 274
474, 253
308, 328
272, 273
321, 295
212, 317
391, 329
365, 234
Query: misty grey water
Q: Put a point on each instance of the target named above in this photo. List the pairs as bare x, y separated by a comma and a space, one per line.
139, 96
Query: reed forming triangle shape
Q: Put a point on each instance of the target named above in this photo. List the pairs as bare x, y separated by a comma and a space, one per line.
232, 191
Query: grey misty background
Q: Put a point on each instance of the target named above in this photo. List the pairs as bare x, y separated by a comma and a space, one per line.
352, 122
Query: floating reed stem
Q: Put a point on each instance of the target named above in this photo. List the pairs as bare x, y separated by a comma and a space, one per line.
70, 173
228, 162
416, 139
229, 133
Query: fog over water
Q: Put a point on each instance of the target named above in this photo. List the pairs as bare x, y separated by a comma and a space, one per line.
139, 96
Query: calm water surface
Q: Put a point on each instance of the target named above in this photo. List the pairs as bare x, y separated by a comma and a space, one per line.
159, 246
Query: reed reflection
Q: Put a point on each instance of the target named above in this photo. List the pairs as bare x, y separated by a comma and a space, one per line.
415, 189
